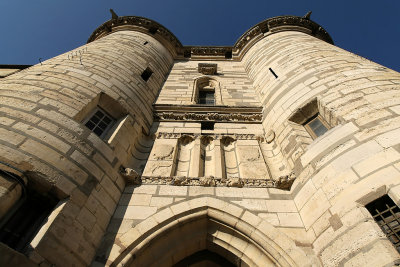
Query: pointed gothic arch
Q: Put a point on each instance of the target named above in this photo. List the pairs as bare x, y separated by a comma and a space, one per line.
206, 223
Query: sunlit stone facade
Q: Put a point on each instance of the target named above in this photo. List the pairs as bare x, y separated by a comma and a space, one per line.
134, 150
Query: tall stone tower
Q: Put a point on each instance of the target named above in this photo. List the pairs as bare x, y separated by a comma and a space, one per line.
134, 150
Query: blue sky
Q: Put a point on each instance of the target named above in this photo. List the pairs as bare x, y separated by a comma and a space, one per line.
46, 28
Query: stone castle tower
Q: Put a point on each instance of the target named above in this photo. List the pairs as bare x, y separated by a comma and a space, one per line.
134, 150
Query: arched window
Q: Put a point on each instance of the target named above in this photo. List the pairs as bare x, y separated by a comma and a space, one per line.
207, 91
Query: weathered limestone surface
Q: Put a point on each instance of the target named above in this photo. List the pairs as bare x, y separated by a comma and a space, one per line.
234, 86
355, 161
162, 216
10, 192
42, 109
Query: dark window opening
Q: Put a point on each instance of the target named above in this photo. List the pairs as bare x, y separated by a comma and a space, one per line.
145, 43
206, 97
100, 122
147, 74
24, 224
153, 30
205, 258
207, 125
387, 215
228, 54
316, 126
273, 73
187, 53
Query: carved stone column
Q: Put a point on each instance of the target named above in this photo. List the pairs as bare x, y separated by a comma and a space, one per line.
195, 159
219, 160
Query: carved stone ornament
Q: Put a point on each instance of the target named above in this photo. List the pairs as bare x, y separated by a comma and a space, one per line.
270, 136
217, 117
227, 52
207, 181
131, 176
235, 182
284, 182
165, 135
163, 152
210, 51
180, 180
140, 24
247, 36
273, 23
207, 68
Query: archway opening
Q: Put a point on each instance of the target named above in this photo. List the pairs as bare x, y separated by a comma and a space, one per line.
182, 240
189, 227
204, 258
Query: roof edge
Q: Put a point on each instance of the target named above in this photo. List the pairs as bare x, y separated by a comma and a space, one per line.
235, 52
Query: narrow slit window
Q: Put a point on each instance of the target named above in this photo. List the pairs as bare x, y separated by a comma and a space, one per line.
100, 122
228, 54
147, 74
207, 125
387, 215
273, 73
187, 53
316, 126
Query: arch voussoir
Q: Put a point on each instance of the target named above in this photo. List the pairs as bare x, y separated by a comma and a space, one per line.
180, 230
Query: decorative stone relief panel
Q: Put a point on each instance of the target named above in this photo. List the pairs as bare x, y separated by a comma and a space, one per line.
234, 160
275, 160
161, 160
163, 152
185, 156
207, 68
207, 168
230, 158
251, 161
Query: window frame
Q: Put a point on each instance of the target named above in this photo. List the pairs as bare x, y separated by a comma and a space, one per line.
310, 130
206, 83
386, 223
109, 126
146, 74
205, 90
22, 223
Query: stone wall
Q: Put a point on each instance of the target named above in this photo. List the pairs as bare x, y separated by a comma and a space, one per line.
206, 188
41, 114
355, 162
235, 88
337, 174
140, 205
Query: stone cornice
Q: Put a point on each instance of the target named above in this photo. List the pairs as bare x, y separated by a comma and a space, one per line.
235, 52
284, 182
207, 113
145, 25
208, 52
282, 23
166, 135
214, 117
